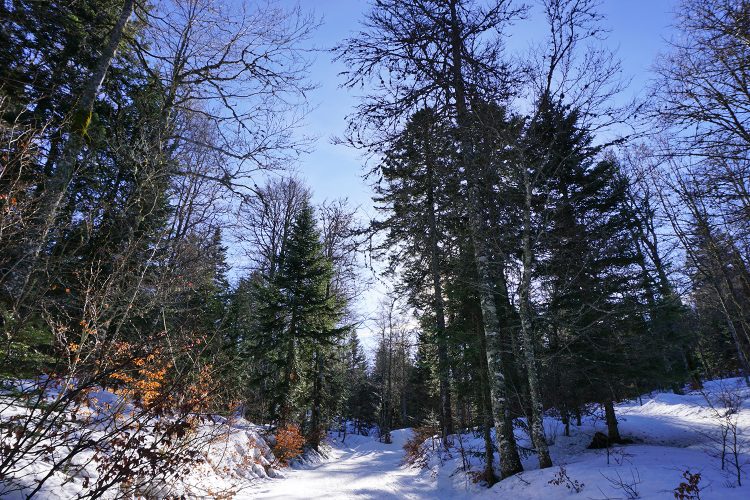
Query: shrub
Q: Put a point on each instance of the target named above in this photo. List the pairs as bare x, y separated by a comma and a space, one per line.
561, 478
689, 489
416, 452
289, 442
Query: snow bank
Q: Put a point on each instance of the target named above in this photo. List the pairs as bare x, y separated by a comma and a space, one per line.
236, 457
233, 454
671, 433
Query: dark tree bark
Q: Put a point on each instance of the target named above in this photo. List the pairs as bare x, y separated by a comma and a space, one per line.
446, 417
613, 432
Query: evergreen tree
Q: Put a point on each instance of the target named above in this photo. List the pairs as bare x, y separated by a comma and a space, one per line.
293, 334
594, 312
360, 406
414, 192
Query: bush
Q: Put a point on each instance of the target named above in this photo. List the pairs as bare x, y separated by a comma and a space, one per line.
416, 452
689, 489
289, 442
561, 478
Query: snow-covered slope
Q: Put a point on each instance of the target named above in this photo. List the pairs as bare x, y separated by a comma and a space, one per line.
233, 454
672, 434
235, 459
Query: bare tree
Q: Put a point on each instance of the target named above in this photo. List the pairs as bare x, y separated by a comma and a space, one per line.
701, 106
265, 220
241, 69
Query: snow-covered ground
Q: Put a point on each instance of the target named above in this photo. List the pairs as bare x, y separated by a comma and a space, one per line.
233, 454
671, 434
360, 467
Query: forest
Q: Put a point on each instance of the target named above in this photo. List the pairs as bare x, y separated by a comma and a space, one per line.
550, 246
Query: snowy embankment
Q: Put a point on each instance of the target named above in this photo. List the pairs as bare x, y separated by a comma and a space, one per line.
237, 456
230, 455
671, 434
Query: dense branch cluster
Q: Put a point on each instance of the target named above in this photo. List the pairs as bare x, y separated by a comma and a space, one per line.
553, 261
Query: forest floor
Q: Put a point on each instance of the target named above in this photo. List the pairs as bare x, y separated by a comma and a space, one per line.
671, 434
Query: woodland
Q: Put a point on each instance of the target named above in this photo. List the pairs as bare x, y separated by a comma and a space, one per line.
551, 246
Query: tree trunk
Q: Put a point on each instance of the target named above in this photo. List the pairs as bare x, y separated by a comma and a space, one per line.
565, 416
285, 411
510, 462
695, 380
613, 433
538, 436
446, 417
315, 415
485, 406
386, 427
404, 398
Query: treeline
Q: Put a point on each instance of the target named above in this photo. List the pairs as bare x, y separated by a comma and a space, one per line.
561, 246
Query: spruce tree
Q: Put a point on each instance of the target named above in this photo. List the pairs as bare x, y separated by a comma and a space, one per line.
413, 192
296, 341
588, 266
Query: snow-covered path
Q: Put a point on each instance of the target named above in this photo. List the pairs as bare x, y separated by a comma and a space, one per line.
362, 468
673, 435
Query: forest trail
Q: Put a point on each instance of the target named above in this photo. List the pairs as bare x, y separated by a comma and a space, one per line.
360, 468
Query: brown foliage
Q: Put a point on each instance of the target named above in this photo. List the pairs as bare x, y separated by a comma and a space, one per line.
416, 453
561, 478
689, 489
145, 380
289, 443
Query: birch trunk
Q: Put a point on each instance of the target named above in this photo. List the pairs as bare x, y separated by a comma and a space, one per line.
486, 409
510, 462
538, 436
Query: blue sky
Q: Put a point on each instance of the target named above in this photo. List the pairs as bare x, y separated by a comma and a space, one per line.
639, 29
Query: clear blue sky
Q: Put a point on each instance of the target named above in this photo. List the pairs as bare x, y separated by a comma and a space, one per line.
638, 30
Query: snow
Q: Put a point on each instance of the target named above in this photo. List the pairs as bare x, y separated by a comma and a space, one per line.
234, 453
361, 467
671, 434
236, 457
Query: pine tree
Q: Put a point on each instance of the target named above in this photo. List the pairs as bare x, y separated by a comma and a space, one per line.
590, 266
413, 192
